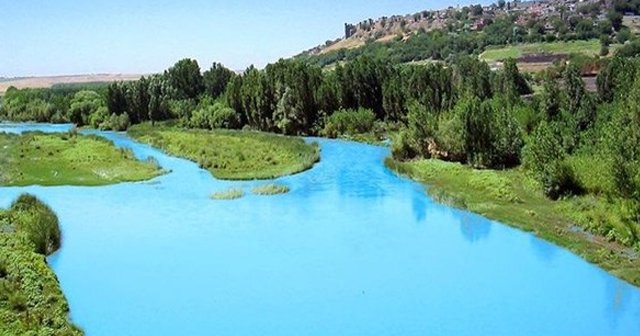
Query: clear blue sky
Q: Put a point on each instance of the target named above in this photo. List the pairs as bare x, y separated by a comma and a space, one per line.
41, 37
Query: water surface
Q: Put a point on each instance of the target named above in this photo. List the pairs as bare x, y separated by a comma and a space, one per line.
351, 250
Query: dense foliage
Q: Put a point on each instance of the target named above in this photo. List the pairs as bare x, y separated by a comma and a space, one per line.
31, 302
462, 111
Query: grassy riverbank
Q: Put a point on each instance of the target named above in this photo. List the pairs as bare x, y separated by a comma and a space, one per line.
31, 302
233, 155
513, 198
67, 159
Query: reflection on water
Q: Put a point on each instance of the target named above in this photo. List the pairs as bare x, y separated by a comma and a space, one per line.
543, 249
473, 228
351, 250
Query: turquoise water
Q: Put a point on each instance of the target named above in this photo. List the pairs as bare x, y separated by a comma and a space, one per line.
351, 250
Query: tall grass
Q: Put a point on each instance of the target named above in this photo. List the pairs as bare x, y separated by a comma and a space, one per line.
233, 155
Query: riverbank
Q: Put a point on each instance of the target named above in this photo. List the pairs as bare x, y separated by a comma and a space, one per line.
68, 159
511, 197
232, 155
31, 302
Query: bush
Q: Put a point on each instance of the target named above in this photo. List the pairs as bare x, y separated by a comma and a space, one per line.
451, 136
559, 179
99, 117
507, 142
403, 147
349, 122
214, 116
38, 221
116, 122
544, 158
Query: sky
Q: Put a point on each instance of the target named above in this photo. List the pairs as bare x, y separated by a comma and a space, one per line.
64, 37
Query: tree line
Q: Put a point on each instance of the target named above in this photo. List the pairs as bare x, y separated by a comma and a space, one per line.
462, 111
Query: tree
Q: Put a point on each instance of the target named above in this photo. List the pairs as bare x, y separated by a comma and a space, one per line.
550, 99
544, 158
186, 79
83, 104
579, 103
216, 79
510, 82
159, 92
289, 117
116, 98
393, 97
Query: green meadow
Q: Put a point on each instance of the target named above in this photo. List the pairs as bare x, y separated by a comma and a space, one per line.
68, 159
233, 155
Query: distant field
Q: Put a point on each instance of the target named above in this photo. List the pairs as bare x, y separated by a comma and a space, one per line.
589, 48
46, 82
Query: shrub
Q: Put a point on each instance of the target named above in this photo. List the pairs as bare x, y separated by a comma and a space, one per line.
507, 142
543, 156
349, 122
98, 117
403, 147
559, 179
451, 137
38, 221
116, 122
214, 116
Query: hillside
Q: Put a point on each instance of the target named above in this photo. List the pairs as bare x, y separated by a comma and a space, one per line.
442, 34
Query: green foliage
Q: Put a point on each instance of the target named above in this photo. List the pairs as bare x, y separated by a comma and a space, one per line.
186, 79
403, 147
50, 105
212, 115
349, 122
83, 105
38, 221
215, 79
544, 157
116, 122
510, 82
31, 302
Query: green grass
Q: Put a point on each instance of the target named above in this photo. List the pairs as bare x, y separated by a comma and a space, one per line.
67, 159
229, 194
589, 48
233, 155
513, 198
270, 189
31, 302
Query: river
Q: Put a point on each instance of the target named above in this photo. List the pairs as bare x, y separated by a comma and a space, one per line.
351, 250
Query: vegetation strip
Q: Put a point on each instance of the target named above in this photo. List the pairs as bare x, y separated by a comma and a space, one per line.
31, 302
515, 199
68, 159
229, 194
233, 155
270, 189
